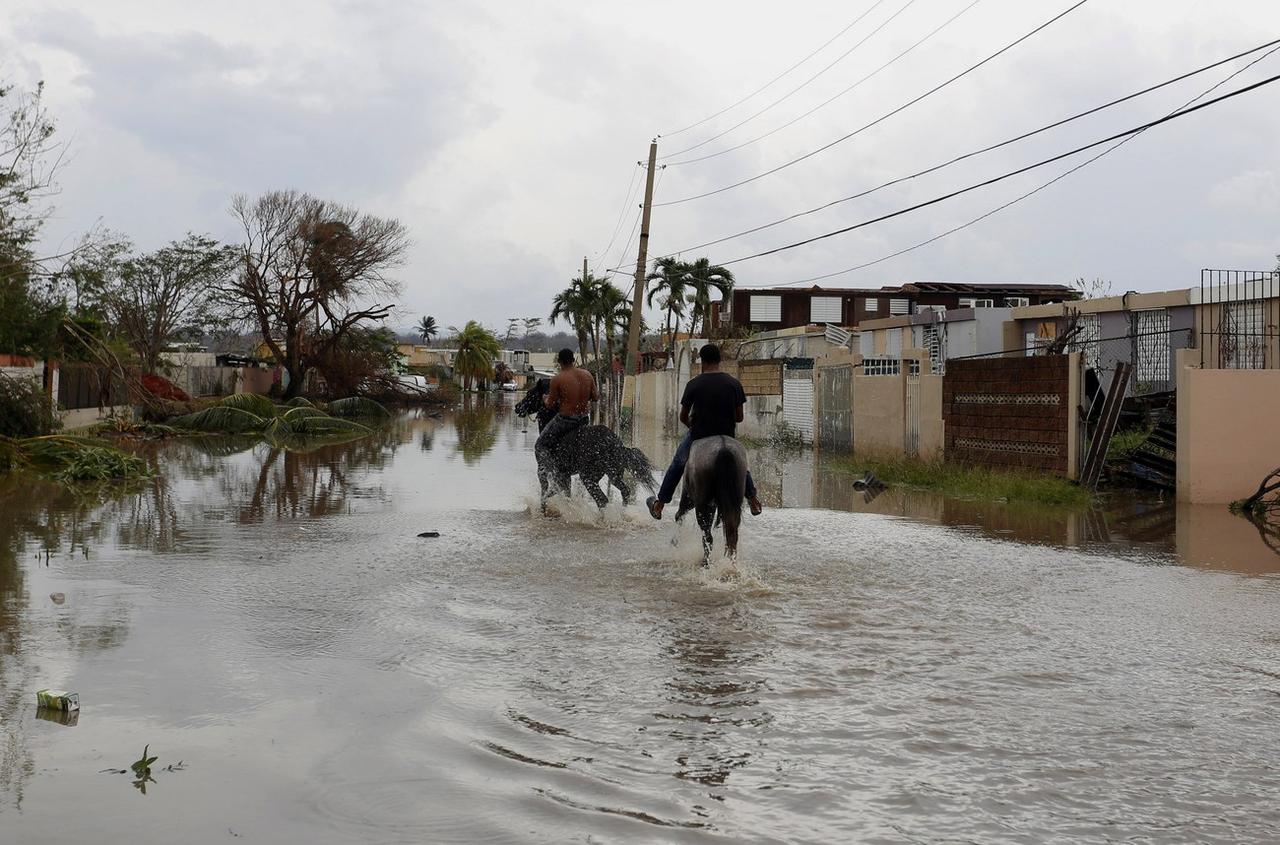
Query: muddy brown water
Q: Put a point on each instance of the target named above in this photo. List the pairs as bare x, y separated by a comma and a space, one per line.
910, 669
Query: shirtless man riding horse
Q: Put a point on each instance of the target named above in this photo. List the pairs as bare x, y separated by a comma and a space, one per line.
572, 391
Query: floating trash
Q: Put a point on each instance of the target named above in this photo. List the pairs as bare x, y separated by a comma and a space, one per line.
429, 534
57, 598
57, 699
69, 718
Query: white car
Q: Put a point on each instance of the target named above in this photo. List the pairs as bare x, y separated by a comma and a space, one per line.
415, 384
509, 386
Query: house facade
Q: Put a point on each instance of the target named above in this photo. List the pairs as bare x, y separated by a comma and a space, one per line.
772, 309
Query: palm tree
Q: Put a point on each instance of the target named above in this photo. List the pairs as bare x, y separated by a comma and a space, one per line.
427, 328
576, 304
704, 277
671, 277
477, 350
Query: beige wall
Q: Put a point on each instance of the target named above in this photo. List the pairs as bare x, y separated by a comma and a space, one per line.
1226, 431
932, 430
878, 411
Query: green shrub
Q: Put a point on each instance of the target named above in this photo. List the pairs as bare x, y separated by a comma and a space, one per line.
25, 410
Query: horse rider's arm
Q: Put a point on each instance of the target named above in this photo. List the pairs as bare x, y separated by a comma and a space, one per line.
684, 415
738, 415
595, 393
553, 393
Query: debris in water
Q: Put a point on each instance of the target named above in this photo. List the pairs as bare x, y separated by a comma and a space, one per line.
67, 718
57, 699
429, 534
57, 598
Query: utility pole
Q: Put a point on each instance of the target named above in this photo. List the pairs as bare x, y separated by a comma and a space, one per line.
584, 269
637, 301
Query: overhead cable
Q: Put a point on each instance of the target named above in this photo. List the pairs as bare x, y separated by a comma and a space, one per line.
1020, 197
780, 76
883, 117
626, 203
988, 182
799, 87
986, 149
830, 99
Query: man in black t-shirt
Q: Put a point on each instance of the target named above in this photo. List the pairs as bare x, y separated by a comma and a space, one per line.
712, 404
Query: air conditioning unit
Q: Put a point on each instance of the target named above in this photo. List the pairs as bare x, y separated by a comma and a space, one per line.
1017, 301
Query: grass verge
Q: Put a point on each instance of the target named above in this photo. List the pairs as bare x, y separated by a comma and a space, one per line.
970, 482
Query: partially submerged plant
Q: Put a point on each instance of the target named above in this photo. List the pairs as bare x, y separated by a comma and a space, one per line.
67, 458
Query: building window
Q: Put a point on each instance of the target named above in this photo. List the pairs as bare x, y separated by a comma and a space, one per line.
825, 309
1151, 346
766, 309
1017, 301
898, 307
1242, 344
871, 306
1087, 340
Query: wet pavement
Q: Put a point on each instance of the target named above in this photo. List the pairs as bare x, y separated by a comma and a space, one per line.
909, 669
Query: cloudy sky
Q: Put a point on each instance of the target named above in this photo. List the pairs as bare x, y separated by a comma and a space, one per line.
505, 134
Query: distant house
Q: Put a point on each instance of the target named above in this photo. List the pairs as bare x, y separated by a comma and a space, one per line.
770, 309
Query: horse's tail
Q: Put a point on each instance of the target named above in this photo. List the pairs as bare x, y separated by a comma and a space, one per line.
729, 485
638, 463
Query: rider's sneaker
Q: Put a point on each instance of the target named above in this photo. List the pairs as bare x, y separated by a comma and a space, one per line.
654, 506
756, 507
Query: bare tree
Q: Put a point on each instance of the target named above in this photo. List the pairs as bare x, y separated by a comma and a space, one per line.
155, 298
311, 271
1094, 288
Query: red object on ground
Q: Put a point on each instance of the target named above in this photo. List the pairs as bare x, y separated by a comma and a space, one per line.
165, 389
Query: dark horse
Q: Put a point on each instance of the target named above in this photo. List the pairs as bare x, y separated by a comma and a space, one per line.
715, 482
592, 453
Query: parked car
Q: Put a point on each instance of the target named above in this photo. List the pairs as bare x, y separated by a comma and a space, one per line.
509, 386
414, 384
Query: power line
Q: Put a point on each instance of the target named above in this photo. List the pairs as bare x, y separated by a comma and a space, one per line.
799, 87
1171, 116
1021, 197
829, 100
986, 149
883, 117
777, 78
618, 265
626, 201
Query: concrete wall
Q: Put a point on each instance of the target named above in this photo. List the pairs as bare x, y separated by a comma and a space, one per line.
1227, 440
879, 414
932, 429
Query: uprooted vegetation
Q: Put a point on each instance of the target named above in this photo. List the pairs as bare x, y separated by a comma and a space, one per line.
68, 459
250, 413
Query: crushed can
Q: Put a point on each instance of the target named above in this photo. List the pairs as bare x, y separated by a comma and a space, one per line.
57, 699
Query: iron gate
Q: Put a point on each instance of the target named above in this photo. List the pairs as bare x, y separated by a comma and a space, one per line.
835, 421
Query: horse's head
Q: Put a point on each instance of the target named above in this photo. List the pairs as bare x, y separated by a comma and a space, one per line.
535, 399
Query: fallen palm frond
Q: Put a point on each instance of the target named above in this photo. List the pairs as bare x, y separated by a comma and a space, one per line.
72, 458
256, 404
223, 418
357, 406
299, 402
237, 415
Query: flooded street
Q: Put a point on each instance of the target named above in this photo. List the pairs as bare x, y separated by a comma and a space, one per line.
910, 669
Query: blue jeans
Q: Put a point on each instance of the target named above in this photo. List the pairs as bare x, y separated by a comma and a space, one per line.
669, 481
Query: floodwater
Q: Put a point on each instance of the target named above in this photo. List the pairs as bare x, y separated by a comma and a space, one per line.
909, 669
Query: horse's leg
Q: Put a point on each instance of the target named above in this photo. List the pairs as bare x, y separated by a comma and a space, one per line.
730, 537
592, 483
628, 492
706, 518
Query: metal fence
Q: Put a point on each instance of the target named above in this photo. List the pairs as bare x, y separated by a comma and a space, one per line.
1152, 354
1237, 319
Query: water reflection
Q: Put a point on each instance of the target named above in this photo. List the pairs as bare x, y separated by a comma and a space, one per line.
476, 423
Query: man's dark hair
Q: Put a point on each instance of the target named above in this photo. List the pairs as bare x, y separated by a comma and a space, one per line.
565, 357
709, 353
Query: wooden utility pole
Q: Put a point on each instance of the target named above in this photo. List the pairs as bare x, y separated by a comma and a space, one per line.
584, 269
637, 301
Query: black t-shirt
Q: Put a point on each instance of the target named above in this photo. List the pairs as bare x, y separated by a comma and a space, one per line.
713, 400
